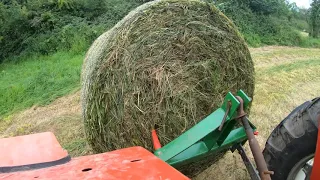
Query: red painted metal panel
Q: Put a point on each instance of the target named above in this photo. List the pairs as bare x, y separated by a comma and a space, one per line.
30, 149
134, 163
315, 174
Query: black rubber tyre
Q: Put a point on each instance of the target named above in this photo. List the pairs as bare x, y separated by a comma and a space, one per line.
293, 139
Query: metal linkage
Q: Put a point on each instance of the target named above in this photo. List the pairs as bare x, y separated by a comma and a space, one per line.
254, 174
264, 173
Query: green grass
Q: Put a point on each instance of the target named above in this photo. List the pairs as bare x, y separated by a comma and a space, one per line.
38, 80
76, 147
293, 66
310, 42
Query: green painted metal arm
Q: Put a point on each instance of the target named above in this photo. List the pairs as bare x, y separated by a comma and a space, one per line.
204, 138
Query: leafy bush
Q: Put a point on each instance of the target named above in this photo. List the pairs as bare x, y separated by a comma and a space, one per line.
267, 22
315, 18
47, 26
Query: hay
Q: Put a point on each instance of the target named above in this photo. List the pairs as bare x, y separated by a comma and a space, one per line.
168, 63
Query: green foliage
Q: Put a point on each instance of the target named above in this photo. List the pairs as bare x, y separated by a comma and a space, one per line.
37, 80
267, 7
68, 4
315, 19
301, 25
267, 22
47, 26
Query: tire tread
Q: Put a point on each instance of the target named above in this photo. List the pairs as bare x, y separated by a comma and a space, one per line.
293, 139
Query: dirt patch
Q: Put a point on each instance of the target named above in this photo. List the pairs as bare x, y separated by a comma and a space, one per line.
62, 117
64, 106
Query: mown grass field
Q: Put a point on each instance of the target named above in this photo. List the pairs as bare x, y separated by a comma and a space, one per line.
285, 78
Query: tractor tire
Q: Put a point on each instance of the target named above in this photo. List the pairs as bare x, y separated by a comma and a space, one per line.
292, 143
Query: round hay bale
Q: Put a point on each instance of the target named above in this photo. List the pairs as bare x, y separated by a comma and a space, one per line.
169, 63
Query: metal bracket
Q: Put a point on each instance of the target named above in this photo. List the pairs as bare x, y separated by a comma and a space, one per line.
205, 138
201, 130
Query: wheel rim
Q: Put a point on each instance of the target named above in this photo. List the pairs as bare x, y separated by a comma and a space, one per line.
302, 170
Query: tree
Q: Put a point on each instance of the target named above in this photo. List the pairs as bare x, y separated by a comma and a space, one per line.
315, 19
